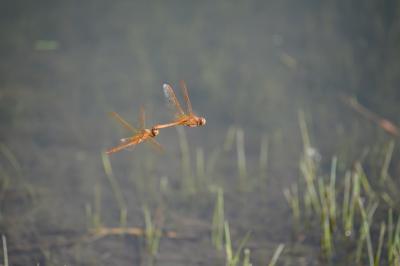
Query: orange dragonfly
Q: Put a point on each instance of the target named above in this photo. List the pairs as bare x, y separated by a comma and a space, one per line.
183, 118
140, 135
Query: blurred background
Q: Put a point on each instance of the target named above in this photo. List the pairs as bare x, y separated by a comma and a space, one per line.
252, 69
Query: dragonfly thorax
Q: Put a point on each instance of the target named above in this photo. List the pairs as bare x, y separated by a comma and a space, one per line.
201, 121
152, 132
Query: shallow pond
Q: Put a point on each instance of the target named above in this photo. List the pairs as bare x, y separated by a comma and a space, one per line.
255, 70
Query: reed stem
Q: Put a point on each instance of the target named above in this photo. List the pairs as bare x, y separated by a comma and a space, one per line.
241, 158
217, 233
380, 244
5, 252
386, 162
365, 233
188, 182
116, 189
200, 166
263, 163
276, 255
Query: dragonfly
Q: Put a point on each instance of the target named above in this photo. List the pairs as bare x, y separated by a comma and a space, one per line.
184, 118
139, 135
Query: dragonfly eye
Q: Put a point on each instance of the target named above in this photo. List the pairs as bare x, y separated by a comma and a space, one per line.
155, 131
202, 121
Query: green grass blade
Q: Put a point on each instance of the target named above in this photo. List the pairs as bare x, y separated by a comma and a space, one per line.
5, 252
276, 255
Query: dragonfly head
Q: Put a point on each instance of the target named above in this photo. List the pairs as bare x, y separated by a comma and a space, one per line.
201, 121
155, 131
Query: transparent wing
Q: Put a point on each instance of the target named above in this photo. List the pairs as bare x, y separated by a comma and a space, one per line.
186, 97
172, 100
122, 146
156, 144
123, 122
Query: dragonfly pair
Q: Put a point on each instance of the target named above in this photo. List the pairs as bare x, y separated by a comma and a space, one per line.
182, 118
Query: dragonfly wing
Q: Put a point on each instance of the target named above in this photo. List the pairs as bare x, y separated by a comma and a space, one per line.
186, 96
122, 146
156, 144
172, 100
123, 122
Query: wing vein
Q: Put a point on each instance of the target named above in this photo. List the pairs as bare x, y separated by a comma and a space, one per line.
172, 100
